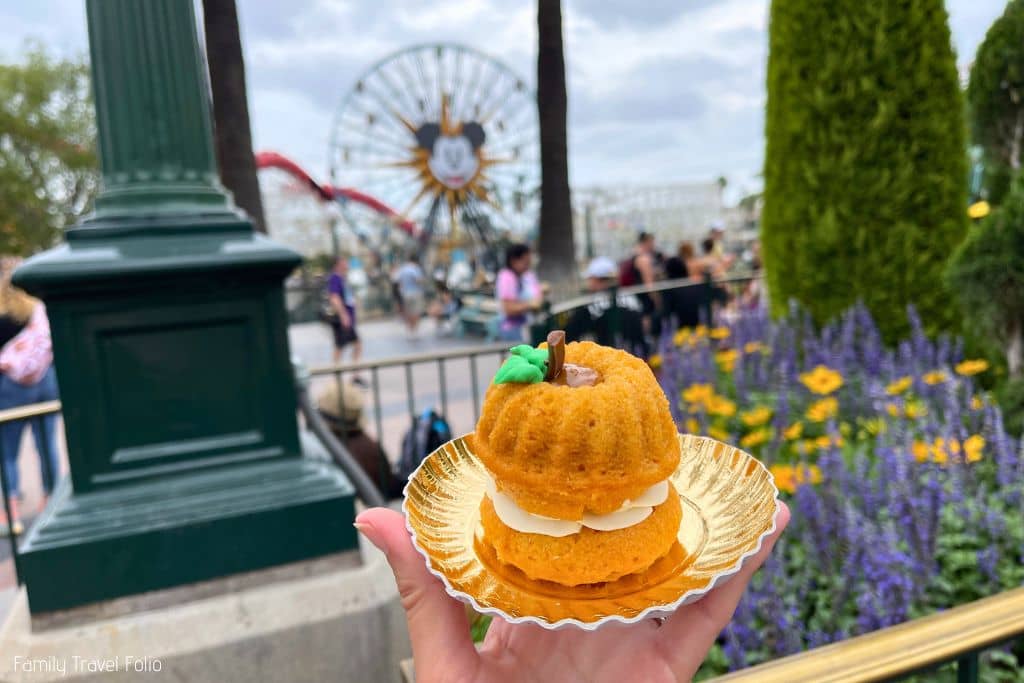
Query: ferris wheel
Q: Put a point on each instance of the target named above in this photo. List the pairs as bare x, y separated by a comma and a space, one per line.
448, 137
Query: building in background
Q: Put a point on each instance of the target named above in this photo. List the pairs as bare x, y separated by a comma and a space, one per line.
672, 212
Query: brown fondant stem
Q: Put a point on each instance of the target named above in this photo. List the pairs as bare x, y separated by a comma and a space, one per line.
556, 354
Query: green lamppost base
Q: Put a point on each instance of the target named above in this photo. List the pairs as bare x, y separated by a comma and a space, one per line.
170, 343
179, 402
184, 529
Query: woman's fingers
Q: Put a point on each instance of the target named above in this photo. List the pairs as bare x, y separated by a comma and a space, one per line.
688, 634
437, 623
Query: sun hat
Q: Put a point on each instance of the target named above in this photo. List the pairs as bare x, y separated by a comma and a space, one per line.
345, 411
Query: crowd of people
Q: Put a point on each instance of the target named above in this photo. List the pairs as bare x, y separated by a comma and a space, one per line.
519, 295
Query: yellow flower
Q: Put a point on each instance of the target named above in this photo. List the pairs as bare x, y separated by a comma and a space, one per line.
805, 474
654, 361
680, 337
971, 367
977, 403
726, 359
897, 387
756, 417
720, 405
935, 377
822, 380
823, 441
793, 431
700, 331
692, 426
875, 425
845, 429
753, 347
785, 480
756, 437
698, 393
978, 209
718, 433
823, 409
789, 477
719, 333
892, 409
973, 446
915, 409
920, 451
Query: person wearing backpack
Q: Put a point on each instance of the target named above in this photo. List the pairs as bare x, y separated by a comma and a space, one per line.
429, 432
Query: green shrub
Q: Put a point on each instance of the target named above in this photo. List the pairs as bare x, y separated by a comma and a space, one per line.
987, 274
996, 93
865, 167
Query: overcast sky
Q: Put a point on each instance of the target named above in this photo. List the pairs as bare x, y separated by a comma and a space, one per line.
659, 90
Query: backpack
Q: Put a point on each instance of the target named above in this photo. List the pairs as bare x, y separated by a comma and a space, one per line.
627, 273
429, 432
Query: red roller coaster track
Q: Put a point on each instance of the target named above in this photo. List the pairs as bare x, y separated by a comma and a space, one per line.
330, 193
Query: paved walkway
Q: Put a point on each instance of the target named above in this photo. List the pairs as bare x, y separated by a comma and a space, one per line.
311, 344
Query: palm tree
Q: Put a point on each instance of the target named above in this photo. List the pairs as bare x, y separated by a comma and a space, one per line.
555, 242
230, 108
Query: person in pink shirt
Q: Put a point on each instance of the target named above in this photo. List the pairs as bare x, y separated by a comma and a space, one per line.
518, 292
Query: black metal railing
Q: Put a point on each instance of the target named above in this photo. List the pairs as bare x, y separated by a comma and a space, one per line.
706, 291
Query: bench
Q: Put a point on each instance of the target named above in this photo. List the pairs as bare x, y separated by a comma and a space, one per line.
479, 317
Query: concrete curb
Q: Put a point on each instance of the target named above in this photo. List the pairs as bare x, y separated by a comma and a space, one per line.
342, 625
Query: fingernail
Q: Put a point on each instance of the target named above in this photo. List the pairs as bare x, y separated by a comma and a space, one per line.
367, 531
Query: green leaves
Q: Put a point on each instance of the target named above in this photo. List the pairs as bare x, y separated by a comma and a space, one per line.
987, 270
526, 365
996, 90
48, 165
865, 162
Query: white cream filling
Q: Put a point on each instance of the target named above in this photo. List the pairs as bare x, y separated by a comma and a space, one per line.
631, 513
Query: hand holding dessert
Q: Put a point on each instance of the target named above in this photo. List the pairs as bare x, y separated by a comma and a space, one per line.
573, 489
653, 650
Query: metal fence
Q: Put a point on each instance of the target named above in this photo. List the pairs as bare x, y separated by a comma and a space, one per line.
958, 635
26, 415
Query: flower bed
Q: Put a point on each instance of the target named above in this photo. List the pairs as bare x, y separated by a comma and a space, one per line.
906, 490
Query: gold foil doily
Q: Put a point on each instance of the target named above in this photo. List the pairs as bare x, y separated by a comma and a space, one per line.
729, 506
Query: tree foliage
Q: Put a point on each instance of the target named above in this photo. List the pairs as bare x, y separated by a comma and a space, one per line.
48, 164
865, 167
987, 274
996, 90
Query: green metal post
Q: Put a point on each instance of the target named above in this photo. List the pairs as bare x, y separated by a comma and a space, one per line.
968, 668
170, 343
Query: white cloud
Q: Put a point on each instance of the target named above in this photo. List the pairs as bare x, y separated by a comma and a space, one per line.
659, 89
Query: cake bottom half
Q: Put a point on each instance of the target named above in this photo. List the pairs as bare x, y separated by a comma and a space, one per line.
588, 556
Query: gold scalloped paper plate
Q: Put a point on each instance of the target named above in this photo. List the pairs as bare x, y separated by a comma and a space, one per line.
729, 507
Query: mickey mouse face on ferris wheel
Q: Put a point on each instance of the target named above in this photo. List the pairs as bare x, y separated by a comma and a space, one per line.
454, 159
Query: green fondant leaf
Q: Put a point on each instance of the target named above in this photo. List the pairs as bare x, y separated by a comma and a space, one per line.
526, 365
517, 370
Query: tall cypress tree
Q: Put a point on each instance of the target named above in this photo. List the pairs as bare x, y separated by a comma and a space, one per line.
995, 99
865, 167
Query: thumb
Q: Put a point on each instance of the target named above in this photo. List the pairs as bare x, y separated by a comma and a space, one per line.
437, 623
